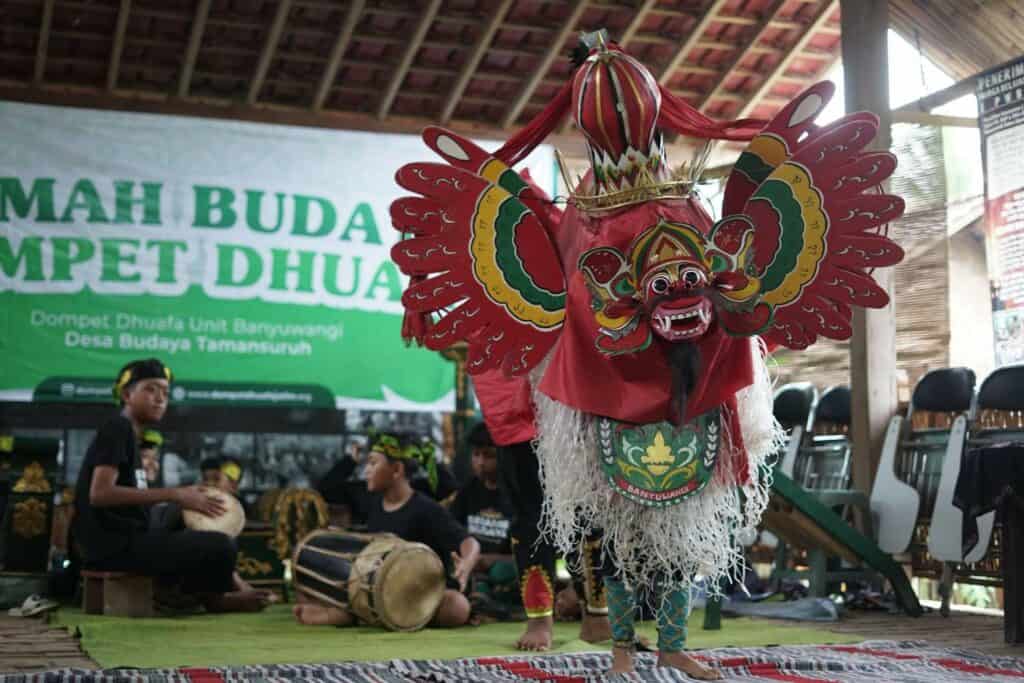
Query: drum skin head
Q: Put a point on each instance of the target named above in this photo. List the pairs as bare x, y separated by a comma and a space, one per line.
409, 587
230, 523
396, 584
387, 581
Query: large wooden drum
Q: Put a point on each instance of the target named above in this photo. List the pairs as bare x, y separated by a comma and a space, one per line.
379, 578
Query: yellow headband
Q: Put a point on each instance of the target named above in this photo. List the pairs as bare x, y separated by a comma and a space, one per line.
231, 471
139, 370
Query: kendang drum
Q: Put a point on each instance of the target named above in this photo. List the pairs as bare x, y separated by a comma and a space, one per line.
230, 523
381, 579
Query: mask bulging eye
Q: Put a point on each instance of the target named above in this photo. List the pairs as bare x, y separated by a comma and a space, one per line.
659, 285
692, 278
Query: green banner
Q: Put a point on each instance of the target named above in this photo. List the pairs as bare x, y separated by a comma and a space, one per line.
252, 259
70, 340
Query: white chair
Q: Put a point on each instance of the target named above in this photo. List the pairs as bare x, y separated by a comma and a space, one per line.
894, 504
995, 417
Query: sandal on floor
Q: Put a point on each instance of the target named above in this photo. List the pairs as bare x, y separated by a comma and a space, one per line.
33, 605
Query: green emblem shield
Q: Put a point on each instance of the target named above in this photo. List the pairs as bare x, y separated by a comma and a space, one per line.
659, 464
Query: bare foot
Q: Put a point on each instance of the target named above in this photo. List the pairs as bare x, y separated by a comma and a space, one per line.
537, 637
318, 615
595, 628
688, 665
622, 661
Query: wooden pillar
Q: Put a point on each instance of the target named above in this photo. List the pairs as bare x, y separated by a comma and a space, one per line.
865, 25
464, 412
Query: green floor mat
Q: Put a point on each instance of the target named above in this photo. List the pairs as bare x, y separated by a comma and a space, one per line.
273, 637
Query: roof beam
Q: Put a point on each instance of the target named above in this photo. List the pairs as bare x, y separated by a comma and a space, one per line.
760, 28
554, 50
819, 19
783, 24
269, 48
341, 43
266, 112
637, 21
941, 97
118, 46
413, 46
926, 119
43, 43
195, 39
654, 39
691, 40
741, 98
783, 78
685, 92
473, 61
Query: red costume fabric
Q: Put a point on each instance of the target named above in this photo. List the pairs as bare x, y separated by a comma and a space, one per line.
635, 387
507, 407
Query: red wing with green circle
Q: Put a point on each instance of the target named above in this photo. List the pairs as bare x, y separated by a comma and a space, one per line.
803, 222
483, 267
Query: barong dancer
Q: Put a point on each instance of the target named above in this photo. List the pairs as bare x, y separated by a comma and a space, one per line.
640, 322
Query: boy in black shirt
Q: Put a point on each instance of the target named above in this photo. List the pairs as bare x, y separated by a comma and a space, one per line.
483, 510
149, 455
112, 500
479, 505
343, 487
413, 516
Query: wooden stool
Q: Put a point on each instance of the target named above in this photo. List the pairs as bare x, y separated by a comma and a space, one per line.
117, 594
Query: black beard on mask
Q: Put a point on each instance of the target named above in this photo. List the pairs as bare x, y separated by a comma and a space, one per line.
684, 364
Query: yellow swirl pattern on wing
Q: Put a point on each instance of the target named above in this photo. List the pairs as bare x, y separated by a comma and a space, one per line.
483, 247
815, 226
771, 148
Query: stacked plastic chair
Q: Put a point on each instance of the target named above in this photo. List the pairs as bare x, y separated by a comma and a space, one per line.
818, 459
997, 417
794, 409
912, 497
823, 463
808, 520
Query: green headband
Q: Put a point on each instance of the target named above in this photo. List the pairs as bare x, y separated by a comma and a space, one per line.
152, 439
387, 444
423, 453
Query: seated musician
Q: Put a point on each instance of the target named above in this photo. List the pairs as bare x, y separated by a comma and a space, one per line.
210, 472
344, 488
480, 507
113, 498
149, 455
228, 478
411, 515
342, 485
